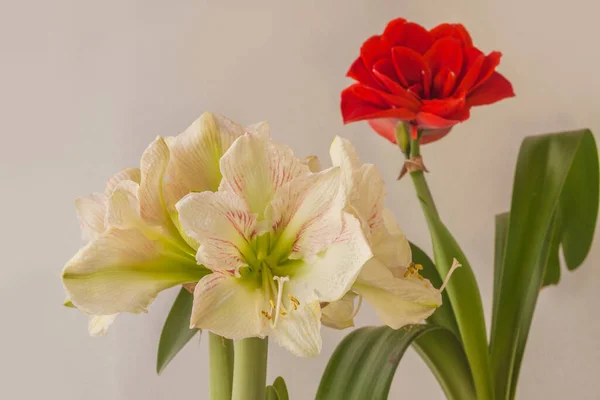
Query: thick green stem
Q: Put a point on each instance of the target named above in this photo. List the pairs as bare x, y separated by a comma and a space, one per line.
463, 292
221, 367
250, 369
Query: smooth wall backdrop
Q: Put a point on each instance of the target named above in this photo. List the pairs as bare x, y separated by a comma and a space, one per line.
86, 85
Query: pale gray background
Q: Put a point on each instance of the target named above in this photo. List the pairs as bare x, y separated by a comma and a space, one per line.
86, 85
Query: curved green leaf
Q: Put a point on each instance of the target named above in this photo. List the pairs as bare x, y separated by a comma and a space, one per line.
444, 315
271, 393
555, 201
281, 388
176, 331
466, 302
443, 353
364, 363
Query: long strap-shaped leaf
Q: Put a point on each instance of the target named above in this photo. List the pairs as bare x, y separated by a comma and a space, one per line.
555, 200
176, 331
363, 365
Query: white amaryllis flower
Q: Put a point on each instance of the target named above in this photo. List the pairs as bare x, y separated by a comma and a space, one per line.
390, 282
278, 242
135, 247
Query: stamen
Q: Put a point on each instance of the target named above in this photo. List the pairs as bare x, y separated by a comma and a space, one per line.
295, 302
281, 280
455, 265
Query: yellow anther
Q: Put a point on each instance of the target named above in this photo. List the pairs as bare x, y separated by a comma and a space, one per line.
294, 301
283, 313
267, 315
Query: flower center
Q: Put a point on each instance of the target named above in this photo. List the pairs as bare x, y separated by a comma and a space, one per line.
269, 269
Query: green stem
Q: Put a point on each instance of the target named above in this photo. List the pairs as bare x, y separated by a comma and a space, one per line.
221, 367
250, 369
421, 186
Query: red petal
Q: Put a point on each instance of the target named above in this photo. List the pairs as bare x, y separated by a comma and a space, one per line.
471, 69
411, 68
496, 88
444, 108
408, 34
431, 135
487, 69
457, 31
374, 49
431, 121
385, 127
446, 52
359, 72
360, 103
443, 84
384, 71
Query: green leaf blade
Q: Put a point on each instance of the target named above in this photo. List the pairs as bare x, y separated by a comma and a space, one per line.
562, 209
364, 363
176, 332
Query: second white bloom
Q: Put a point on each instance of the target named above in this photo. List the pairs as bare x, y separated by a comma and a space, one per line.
279, 243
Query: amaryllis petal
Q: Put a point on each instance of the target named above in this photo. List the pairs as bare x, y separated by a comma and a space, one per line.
388, 243
445, 53
228, 307
91, 211
431, 135
331, 275
471, 69
123, 206
122, 271
399, 32
496, 88
306, 213
99, 324
374, 49
153, 166
300, 330
195, 155
255, 169
457, 31
432, 121
356, 108
340, 314
488, 67
397, 301
222, 224
358, 71
127, 174
385, 127
444, 108
411, 67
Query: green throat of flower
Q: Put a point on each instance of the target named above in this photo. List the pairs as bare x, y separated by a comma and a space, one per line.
269, 268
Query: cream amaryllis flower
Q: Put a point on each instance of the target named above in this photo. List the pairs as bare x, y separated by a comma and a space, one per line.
278, 242
136, 248
390, 282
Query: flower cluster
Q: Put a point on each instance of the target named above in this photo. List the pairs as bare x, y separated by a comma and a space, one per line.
273, 244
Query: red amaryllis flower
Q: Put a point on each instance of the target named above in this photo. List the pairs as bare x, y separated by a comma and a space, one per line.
428, 79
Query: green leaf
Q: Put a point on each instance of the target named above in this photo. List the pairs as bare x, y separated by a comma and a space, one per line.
271, 393
555, 201
443, 316
364, 363
499, 248
443, 353
281, 388
176, 331
464, 295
